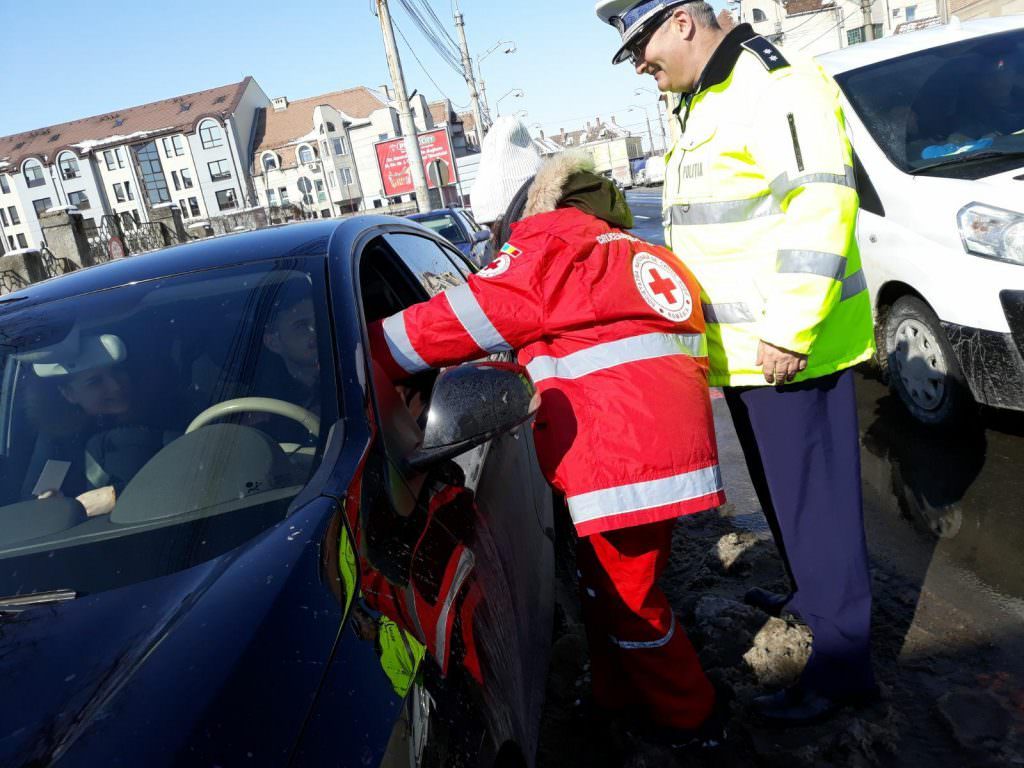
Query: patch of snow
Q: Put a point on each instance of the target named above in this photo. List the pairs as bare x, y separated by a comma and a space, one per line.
62, 208
311, 136
20, 251
4, 163
165, 205
195, 224
91, 144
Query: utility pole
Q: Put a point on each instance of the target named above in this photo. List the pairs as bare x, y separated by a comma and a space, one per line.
869, 28
412, 142
467, 71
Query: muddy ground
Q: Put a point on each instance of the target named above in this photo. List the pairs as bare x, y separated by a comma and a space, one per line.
951, 679
937, 709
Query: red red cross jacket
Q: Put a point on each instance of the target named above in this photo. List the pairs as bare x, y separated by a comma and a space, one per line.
611, 331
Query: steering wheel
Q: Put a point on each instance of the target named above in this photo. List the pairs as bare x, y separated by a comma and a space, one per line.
308, 420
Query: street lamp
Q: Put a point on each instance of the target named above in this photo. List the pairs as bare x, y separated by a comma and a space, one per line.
661, 125
510, 47
516, 93
647, 117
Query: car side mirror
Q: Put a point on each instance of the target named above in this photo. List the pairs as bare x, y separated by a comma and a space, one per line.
481, 236
470, 405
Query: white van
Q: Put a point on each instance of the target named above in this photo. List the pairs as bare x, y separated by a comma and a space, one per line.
936, 118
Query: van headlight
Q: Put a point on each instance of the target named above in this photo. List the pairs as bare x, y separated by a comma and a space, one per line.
992, 232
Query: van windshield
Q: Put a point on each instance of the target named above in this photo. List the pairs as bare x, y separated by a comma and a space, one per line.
154, 426
945, 105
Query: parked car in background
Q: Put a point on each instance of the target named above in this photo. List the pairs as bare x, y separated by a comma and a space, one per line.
457, 226
225, 539
936, 118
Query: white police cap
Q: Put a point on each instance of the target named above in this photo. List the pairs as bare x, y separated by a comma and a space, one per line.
632, 18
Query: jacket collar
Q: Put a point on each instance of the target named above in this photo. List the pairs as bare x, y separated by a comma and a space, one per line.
721, 63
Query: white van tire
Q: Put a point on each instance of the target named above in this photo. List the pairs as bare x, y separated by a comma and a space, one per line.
922, 368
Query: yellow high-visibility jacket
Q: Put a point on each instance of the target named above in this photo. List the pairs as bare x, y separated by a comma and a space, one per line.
760, 202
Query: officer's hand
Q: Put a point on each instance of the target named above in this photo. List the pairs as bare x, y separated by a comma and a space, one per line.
780, 366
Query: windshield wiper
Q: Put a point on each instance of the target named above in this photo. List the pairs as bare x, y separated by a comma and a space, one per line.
967, 157
21, 602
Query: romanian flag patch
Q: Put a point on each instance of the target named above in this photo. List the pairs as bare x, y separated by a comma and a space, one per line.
511, 250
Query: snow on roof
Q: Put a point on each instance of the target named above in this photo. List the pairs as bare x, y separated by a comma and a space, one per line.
62, 208
91, 144
20, 251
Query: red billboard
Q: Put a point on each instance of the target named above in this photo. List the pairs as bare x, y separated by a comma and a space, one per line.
393, 161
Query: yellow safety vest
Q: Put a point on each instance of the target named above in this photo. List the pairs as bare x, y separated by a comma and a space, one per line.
760, 203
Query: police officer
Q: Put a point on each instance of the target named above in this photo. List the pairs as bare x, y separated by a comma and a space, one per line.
760, 201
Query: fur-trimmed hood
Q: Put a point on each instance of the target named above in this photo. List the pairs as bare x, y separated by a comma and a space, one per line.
568, 180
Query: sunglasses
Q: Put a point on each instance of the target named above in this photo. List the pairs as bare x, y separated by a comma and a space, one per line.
636, 49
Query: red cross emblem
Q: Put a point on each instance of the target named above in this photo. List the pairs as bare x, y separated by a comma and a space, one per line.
663, 286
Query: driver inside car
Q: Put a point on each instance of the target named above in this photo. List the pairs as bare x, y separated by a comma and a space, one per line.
91, 437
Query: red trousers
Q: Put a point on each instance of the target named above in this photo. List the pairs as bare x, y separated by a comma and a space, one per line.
641, 659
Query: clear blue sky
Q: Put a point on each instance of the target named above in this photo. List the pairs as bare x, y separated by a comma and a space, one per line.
69, 60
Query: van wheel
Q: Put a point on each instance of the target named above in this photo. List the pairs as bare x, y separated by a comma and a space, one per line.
922, 368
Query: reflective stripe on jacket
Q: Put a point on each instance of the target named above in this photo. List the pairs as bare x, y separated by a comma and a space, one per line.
760, 201
610, 329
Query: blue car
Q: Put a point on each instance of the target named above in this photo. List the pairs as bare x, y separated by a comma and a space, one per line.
227, 539
457, 226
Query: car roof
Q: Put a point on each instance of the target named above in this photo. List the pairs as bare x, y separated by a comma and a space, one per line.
435, 212
864, 54
304, 239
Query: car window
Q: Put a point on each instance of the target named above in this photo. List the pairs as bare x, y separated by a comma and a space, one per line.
945, 102
447, 227
427, 261
154, 426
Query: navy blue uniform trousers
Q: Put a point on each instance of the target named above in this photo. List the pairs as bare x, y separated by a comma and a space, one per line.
802, 449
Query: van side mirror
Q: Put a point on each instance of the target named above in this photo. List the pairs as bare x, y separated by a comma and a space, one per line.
470, 405
481, 236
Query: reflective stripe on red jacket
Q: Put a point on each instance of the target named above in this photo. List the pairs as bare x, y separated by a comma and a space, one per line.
610, 329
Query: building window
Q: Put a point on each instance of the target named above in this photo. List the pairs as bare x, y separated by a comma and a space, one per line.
80, 200
382, 137
325, 214
269, 162
184, 208
3, 217
758, 15
109, 157
42, 205
330, 127
896, 13
22, 242
877, 30
193, 206
175, 181
306, 155
284, 195
34, 174
340, 147
226, 199
320, 194
186, 178
119, 192
911, 12
153, 179
854, 36
120, 157
69, 167
173, 146
305, 187
327, 151
211, 135
4, 186
271, 197
128, 190
219, 170
15, 218
10, 240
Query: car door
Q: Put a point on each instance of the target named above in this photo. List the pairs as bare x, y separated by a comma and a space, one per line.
515, 526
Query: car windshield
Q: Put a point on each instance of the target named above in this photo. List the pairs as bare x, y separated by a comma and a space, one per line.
446, 226
944, 105
154, 426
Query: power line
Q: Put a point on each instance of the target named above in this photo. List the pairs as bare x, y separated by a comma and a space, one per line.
425, 71
827, 31
449, 55
438, 23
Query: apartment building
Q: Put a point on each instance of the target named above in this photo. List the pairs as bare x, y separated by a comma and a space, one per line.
318, 154
192, 151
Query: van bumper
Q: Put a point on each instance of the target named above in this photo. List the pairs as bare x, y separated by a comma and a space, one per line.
993, 362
